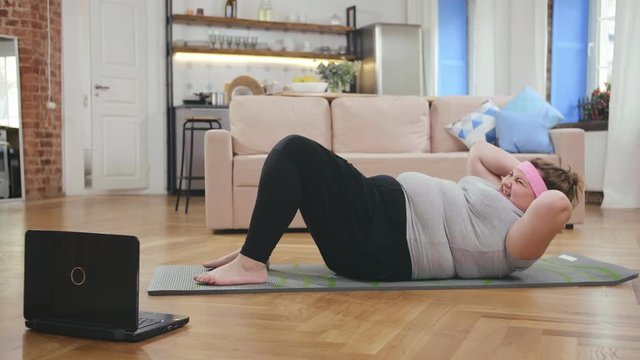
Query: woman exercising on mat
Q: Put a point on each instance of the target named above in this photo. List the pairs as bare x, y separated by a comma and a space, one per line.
497, 220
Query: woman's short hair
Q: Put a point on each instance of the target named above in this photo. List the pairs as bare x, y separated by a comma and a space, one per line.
557, 178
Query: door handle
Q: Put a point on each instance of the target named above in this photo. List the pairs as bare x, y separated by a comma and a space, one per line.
101, 87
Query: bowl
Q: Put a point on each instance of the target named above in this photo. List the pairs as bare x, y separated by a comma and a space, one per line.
316, 87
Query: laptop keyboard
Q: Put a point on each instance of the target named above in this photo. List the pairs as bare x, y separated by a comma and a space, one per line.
142, 322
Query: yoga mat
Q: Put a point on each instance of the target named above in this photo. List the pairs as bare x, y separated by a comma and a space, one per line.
563, 270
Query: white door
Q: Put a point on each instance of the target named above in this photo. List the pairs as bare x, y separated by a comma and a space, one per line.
119, 94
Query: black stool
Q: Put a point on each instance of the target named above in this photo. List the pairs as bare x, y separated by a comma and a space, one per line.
193, 121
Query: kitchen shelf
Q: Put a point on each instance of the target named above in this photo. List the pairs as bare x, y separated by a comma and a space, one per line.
202, 47
256, 24
295, 54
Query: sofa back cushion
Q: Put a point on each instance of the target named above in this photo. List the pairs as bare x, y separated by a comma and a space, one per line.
259, 122
448, 109
380, 124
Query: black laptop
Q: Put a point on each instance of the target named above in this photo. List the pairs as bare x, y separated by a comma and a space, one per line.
84, 284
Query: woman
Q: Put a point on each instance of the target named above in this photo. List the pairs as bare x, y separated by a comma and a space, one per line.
498, 220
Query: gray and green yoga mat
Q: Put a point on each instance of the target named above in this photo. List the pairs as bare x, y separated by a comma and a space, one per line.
563, 270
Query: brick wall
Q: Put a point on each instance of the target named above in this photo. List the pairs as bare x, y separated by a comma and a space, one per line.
549, 43
42, 128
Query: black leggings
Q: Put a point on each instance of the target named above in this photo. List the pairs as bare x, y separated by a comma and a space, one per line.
358, 223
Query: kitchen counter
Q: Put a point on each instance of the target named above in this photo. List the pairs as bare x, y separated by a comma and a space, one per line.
199, 106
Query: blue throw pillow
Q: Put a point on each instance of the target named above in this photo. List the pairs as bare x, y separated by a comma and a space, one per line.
524, 132
528, 100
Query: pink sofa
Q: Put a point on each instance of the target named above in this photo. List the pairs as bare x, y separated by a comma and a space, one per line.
378, 135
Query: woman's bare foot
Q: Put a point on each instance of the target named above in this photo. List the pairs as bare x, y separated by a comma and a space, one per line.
213, 264
241, 270
221, 261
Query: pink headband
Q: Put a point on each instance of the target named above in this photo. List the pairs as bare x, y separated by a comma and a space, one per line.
533, 176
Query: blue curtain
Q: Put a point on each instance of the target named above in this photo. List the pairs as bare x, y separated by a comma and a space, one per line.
569, 55
452, 47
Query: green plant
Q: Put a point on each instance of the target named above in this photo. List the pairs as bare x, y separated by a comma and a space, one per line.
595, 108
338, 74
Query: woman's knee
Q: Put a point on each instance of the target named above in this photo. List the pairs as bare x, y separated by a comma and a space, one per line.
295, 145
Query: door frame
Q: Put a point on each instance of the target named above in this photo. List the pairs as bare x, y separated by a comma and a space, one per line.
76, 87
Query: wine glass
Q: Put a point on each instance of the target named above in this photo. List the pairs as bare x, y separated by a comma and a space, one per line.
221, 40
238, 41
245, 42
253, 41
229, 40
213, 38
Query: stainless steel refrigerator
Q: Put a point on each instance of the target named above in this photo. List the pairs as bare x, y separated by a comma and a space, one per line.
392, 59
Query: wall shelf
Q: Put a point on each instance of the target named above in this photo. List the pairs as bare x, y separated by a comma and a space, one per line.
255, 24
292, 54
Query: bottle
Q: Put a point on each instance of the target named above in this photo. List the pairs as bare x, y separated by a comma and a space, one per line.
262, 11
228, 9
267, 10
189, 10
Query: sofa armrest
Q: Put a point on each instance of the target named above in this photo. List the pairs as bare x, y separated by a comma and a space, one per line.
218, 182
569, 146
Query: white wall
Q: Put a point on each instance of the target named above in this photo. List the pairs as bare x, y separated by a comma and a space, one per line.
76, 81
319, 12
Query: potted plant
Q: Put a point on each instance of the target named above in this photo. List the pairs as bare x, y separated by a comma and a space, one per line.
595, 108
338, 75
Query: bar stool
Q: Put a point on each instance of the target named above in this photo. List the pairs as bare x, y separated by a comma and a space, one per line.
197, 123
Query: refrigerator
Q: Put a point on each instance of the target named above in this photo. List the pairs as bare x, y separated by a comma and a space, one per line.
392, 59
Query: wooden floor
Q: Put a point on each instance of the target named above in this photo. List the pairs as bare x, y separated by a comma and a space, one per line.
553, 323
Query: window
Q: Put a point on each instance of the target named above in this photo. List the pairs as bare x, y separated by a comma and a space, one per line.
9, 92
601, 41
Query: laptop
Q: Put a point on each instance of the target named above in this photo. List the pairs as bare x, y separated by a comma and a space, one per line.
85, 284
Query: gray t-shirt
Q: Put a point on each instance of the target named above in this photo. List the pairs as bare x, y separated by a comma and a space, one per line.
458, 229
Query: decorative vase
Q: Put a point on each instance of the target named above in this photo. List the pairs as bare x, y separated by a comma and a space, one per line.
334, 86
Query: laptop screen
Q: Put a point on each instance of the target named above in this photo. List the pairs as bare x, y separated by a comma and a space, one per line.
81, 278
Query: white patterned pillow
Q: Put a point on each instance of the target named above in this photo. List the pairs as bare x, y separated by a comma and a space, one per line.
477, 125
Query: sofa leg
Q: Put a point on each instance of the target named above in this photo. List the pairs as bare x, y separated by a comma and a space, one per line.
568, 226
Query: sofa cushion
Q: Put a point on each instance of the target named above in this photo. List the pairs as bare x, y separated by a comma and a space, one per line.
524, 131
452, 166
247, 168
528, 100
448, 109
380, 124
259, 122
477, 125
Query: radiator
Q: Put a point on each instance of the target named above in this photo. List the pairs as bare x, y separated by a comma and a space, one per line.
595, 144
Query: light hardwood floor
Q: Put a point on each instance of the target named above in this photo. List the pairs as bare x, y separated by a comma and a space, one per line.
551, 323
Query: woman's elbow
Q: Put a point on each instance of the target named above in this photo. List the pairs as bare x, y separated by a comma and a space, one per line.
560, 205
